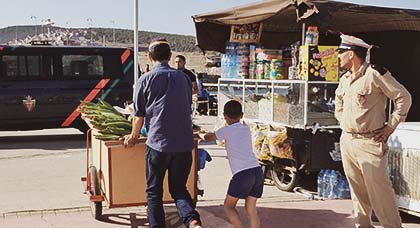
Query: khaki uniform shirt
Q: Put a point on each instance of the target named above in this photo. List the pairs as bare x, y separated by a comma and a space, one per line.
361, 100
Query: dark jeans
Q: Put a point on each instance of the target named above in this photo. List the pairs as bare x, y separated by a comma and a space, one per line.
178, 165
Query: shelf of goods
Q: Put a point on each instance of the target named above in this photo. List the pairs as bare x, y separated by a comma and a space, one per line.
291, 103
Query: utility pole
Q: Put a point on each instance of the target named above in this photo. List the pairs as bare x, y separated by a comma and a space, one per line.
89, 21
113, 31
34, 18
136, 43
68, 32
49, 23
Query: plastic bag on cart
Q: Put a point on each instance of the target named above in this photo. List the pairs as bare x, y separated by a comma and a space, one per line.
260, 141
283, 150
278, 144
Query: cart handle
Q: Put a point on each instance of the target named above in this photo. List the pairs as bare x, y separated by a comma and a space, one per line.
88, 135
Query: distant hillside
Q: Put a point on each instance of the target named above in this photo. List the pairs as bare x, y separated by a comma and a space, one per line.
179, 43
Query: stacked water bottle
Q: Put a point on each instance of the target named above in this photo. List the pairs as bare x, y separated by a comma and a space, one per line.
228, 62
333, 185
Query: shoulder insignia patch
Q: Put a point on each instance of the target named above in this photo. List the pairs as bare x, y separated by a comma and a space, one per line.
382, 70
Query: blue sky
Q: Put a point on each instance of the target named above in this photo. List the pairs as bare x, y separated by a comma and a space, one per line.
169, 16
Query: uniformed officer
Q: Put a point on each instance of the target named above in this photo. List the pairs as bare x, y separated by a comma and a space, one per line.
361, 99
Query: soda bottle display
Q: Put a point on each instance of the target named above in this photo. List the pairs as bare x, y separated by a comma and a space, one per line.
347, 194
332, 183
342, 188
233, 71
325, 183
224, 66
320, 182
311, 37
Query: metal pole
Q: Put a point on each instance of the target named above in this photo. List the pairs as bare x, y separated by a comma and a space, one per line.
305, 105
34, 18
303, 33
113, 35
90, 22
67, 32
113, 31
136, 44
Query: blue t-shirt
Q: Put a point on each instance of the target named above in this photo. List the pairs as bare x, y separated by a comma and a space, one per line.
163, 98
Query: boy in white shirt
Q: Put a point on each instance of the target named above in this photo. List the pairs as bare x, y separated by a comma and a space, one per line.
248, 179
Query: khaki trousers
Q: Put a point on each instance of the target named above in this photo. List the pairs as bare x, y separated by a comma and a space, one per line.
365, 164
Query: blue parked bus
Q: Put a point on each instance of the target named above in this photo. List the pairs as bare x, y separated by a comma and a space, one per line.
42, 86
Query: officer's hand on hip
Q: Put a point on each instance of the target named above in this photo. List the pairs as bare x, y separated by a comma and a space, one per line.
382, 134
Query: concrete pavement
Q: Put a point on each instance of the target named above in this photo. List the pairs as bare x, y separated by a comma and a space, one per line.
276, 208
273, 213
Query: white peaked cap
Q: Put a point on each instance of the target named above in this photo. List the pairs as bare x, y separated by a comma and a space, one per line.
351, 43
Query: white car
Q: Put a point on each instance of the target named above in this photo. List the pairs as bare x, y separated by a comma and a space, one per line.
213, 61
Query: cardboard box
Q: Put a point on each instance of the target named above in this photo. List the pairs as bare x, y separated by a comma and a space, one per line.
318, 63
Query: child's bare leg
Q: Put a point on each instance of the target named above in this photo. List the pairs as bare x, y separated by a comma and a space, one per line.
232, 213
251, 210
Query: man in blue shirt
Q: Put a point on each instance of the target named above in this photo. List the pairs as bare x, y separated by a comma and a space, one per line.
163, 101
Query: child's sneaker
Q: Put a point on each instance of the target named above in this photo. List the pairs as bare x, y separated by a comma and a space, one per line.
195, 224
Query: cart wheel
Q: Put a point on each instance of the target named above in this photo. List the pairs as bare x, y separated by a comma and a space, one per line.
284, 179
95, 207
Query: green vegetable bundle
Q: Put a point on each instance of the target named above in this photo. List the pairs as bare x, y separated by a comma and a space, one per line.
110, 124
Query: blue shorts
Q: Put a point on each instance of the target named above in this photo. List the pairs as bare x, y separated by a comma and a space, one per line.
249, 182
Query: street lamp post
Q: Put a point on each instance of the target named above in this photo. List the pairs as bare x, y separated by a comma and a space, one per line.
42, 26
49, 23
34, 18
136, 43
89, 21
113, 31
68, 32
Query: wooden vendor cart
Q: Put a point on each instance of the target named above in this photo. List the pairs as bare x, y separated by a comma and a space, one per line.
116, 174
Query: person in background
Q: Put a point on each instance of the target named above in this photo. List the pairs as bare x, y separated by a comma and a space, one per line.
180, 62
146, 68
202, 95
163, 100
200, 85
248, 179
361, 99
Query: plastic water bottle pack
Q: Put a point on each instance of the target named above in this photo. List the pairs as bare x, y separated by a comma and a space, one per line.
332, 185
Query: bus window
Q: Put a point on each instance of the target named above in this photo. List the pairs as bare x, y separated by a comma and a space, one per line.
113, 66
3, 68
11, 64
46, 66
82, 66
33, 65
20, 66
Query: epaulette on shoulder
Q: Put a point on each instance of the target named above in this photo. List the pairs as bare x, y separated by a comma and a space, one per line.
382, 70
